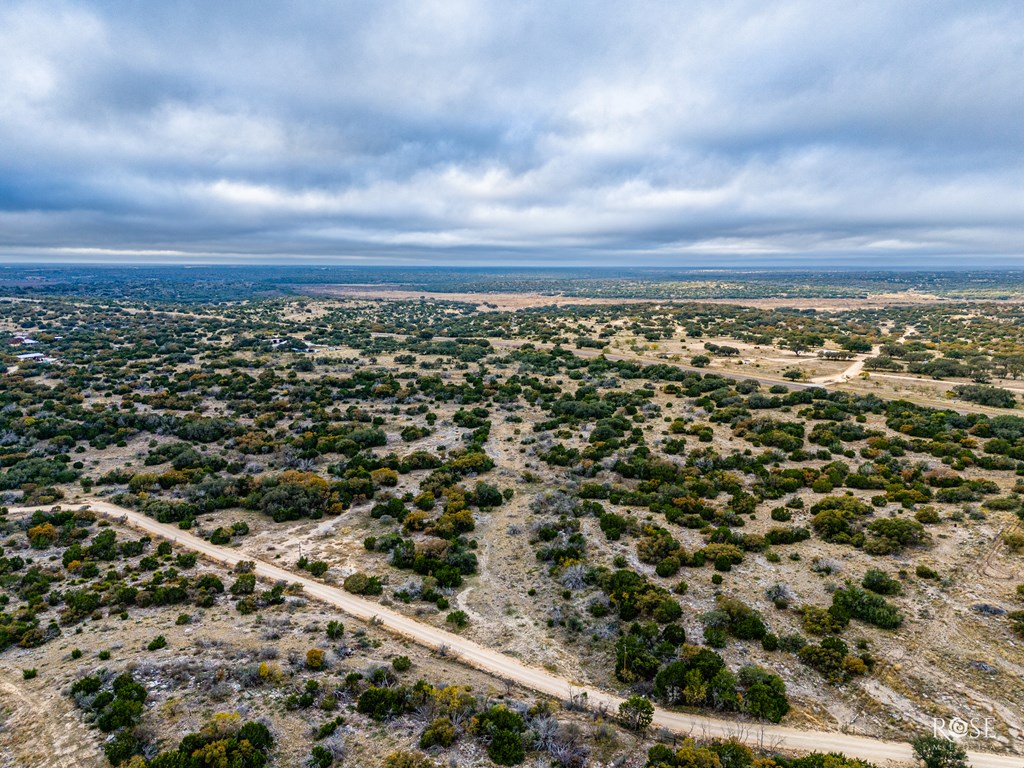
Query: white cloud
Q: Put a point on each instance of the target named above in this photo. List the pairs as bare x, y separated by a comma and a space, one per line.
666, 130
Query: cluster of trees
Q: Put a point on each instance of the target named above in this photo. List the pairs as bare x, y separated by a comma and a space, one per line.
114, 706
695, 676
100, 574
996, 397
508, 731
733, 754
225, 740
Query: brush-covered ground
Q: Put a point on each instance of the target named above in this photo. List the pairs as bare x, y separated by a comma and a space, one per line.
570, 485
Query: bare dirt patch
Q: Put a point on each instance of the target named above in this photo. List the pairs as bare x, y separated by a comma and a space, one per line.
38, 728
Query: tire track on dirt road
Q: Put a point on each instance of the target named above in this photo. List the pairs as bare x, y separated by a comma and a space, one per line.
39, 733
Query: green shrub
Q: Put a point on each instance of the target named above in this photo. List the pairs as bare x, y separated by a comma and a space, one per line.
781, 515
764, 694
854, 602
924, 572
382, 703
636, 713
458, 619
880, 582
245, 584
361, 584
440, 733
320, 757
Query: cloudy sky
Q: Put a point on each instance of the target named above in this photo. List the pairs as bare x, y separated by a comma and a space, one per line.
661, 133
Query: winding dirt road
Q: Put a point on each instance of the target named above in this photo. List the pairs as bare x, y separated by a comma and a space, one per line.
508, 668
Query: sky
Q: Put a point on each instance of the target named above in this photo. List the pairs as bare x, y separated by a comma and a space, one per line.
669, 134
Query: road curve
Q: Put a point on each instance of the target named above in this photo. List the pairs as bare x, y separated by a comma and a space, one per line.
506, 667
841, 383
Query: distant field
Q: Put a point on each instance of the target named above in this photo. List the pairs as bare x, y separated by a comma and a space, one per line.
214, 284
511, 301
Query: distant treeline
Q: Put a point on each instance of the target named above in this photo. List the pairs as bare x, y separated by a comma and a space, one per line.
213, 284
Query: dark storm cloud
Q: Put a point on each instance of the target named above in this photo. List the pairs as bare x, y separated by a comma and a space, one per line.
593, 132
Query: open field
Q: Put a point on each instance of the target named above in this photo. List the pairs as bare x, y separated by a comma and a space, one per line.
511, 302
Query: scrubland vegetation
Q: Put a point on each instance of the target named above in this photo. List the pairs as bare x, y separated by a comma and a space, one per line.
540, 481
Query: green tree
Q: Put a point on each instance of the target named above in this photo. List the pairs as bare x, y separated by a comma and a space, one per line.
765, 695
936, 752
506, 748
636, 713
320, 757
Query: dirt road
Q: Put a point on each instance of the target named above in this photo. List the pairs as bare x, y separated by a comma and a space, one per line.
490, 661
39, 728
852, 371
845, 382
